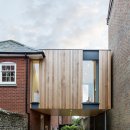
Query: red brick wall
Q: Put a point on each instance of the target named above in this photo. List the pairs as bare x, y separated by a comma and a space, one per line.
54, 122
66, 120
12, 98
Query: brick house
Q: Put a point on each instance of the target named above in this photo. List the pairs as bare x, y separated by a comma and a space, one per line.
14, 79
49, 86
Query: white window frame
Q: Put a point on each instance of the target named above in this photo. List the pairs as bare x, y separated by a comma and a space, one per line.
7, 63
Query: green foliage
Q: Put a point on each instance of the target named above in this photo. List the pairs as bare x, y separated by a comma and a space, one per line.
76, 121
65, 127
73, 127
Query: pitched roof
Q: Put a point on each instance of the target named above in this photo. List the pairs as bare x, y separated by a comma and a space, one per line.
13, 46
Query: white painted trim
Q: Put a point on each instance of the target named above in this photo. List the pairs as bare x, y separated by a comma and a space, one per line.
7, 63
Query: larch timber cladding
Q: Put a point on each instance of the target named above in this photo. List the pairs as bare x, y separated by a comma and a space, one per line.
61, 79
105, 79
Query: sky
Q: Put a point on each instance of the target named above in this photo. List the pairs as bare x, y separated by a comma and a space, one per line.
55, 24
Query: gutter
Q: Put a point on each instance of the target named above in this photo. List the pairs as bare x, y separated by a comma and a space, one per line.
105, 124
26, 94
26, 98
24, 53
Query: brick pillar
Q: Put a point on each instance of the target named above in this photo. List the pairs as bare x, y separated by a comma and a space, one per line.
66, 119
35, 120
47, 121
54, 122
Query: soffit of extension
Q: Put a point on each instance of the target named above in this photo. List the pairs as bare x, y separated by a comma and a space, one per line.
70, 112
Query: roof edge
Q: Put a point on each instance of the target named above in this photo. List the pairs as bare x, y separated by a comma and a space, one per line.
84, 49
24, 53
37, 51
109, 10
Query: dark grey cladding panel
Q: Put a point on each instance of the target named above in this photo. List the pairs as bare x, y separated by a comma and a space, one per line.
88, 106
90, 55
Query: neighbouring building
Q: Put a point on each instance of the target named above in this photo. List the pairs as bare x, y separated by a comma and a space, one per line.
49, 86
15, 78
119, 42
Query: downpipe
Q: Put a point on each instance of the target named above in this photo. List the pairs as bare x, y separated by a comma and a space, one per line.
105, 124
26, 95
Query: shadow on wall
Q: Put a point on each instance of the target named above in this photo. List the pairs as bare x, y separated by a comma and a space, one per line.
93, 123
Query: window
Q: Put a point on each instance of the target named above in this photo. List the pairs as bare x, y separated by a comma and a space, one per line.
90, 76
7, 73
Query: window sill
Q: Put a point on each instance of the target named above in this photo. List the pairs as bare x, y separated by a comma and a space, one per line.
90, 105
8, 85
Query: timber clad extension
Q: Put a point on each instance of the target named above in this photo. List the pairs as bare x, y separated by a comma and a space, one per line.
105, 80
60, 82
61, 79
53, 85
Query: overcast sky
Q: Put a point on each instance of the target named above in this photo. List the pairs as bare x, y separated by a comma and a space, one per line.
55, 23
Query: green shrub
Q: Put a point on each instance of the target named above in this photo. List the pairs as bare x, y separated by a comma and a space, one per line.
73, 127
76, 121
65, 127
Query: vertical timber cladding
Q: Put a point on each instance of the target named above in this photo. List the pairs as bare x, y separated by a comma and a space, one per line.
105, 79
61, 82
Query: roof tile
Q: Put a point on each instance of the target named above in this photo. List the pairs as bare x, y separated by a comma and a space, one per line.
13, 46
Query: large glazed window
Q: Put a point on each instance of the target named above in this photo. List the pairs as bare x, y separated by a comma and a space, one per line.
7, 73
35, 81
89, 80
90, 76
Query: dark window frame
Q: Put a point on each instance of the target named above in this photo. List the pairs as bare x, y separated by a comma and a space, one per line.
93, 55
